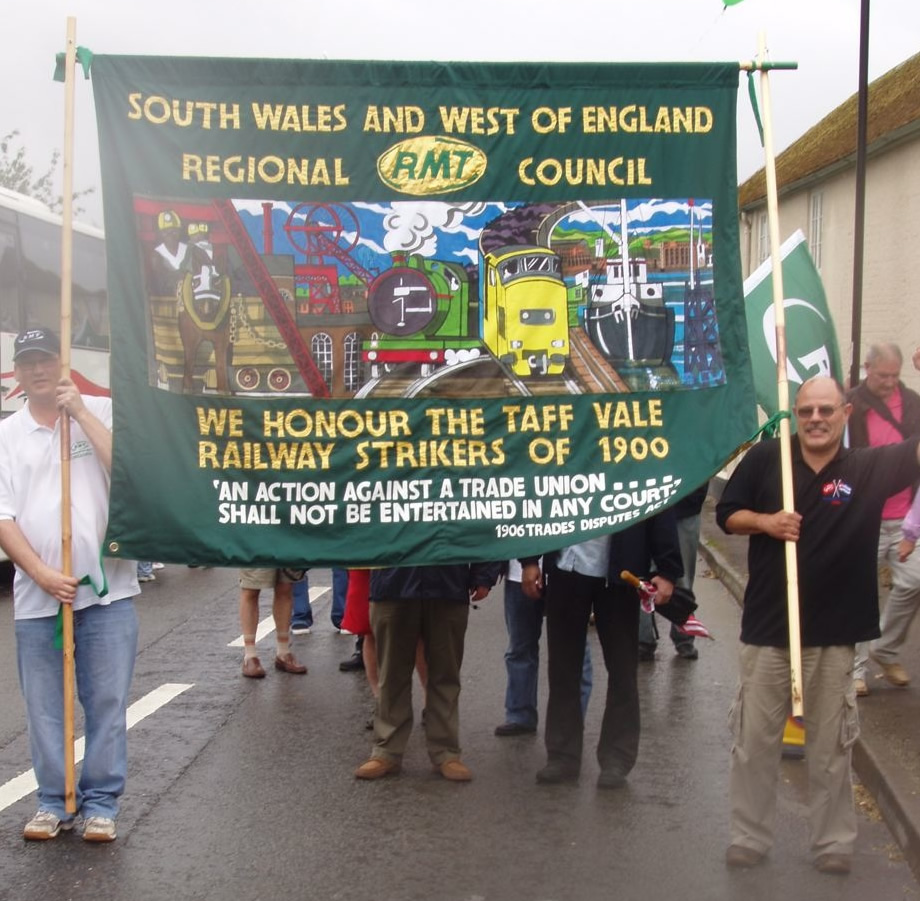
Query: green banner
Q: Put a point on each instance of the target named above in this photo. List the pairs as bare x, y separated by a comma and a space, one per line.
811, 341
400, 312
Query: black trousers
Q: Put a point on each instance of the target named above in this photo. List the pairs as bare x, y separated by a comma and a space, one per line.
570, 599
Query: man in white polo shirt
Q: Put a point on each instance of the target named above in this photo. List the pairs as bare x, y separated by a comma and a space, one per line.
100, 591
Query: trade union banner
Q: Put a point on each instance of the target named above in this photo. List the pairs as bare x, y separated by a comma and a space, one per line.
404, 312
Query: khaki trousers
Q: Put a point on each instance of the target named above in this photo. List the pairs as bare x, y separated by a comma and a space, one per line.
397, 626
758, 718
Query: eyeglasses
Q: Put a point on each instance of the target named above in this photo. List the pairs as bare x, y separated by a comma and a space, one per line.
825, 411
36, 362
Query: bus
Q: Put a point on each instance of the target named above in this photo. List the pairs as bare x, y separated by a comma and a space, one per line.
30, 292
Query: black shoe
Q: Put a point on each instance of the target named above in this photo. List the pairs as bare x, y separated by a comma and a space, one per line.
646, 651
555, 773
611, 778
353, 664
506, 729
687, 651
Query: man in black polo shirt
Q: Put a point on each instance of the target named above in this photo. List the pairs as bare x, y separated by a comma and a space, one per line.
839, 494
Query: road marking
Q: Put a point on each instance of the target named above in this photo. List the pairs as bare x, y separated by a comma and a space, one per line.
24, 784
267, 626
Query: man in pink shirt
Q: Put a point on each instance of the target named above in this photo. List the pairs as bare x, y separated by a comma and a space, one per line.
887, 412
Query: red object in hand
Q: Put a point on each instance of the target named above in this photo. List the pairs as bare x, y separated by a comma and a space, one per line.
648, 591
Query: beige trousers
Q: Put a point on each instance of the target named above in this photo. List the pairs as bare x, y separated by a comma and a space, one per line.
758, 719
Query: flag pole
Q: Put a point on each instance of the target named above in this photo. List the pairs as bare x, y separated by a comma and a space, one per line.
859, 220
782, 385
70, 797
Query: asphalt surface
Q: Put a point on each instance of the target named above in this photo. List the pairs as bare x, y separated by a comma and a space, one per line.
886, 757
242, 788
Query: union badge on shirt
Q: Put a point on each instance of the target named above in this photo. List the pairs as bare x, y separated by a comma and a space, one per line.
836, 492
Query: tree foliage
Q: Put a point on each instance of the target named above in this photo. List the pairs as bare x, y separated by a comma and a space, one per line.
18, 174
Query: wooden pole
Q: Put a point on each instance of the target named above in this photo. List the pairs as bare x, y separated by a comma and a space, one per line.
70, 795
782, 384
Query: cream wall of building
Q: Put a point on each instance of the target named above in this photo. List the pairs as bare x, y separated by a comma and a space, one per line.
891, 273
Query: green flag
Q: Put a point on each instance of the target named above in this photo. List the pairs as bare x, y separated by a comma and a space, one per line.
811, 342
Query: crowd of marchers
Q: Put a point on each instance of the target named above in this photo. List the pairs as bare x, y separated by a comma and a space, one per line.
855, 469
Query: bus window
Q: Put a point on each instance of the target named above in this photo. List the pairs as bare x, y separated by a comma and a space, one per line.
9, 283
30, 291
90, 310
41, 262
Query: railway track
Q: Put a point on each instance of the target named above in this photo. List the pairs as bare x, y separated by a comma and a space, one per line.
594, 373
587, 373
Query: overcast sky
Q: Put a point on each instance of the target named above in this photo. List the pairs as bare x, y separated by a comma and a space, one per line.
822, 36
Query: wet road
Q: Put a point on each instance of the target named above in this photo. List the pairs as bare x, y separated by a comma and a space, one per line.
244, 789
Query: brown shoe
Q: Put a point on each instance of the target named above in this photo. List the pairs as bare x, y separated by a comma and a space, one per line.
838, 864
289, 664
252, 669
455, 770
377, 768
741, 857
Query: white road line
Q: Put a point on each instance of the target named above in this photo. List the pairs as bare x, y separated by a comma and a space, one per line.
267, 626
24, 784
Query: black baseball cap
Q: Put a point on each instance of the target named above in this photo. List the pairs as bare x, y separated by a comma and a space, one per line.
41, 339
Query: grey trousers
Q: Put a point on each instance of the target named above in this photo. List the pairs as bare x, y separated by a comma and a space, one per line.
758, 718
903, 599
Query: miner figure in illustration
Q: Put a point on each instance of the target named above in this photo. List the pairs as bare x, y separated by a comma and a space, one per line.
204, 304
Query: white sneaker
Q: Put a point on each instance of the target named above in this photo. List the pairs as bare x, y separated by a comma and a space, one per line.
45, 825
300, 630
148, 578
159, 566
99, 829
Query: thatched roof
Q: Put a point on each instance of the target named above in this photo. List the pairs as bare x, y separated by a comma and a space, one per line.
894, 103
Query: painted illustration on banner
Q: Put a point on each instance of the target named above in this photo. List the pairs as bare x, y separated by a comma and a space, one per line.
430, 298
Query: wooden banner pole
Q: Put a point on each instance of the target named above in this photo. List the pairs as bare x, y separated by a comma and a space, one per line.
782, 384
70, 796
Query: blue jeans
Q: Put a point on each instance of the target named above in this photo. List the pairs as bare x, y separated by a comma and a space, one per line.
339, 590
105, 645
144, 568
302, 612
524, 622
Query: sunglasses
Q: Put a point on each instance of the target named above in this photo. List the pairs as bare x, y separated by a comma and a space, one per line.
825, 411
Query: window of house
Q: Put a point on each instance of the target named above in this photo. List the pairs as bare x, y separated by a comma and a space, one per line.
816, 227
763, 237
